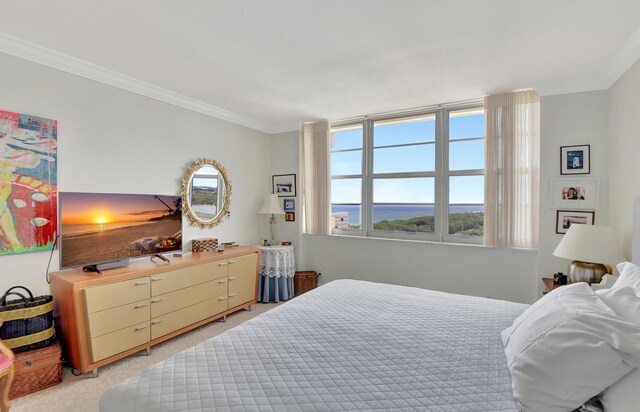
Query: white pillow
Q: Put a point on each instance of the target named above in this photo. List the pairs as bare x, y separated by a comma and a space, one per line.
567, 348
624, 396
629, 276
623, 301
607, 282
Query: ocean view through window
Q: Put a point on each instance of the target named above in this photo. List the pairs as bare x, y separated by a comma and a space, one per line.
417, 177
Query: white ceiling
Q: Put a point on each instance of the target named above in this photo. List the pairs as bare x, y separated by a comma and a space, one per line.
270, 64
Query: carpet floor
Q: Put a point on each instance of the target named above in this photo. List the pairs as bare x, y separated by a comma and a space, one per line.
82, 393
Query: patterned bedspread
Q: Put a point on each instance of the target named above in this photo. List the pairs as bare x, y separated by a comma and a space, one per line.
348, 345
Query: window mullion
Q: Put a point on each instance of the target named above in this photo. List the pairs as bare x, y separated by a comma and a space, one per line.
367, 179
470, 172
441, 186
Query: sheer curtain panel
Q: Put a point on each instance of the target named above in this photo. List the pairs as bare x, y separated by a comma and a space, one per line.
316, 196
512, 181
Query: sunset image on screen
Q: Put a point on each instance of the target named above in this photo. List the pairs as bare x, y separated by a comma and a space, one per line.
99, 227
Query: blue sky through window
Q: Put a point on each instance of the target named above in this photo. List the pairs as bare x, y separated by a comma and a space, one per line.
464, 155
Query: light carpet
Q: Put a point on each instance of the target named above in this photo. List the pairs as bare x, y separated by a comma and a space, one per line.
82, 393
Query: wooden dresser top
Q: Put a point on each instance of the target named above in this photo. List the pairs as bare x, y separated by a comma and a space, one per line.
146, 266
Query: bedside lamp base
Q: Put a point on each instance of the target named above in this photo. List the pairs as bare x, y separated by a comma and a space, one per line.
586, 272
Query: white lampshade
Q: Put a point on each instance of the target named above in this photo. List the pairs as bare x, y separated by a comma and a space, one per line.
587, 243
271, 206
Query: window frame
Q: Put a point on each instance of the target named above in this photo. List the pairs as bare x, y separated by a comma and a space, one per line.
441, 174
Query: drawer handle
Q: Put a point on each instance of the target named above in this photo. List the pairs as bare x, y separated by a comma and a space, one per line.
155, 322
140, 328
222, 263
233, 278
233, 261
232, 294
140, 283
222, 281
222, 298
144, 305
157, 279
156, 300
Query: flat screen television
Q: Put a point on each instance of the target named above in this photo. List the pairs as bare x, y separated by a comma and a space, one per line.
103, 230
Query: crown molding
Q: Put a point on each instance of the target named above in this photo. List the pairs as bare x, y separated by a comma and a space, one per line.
572, 85
619, 64
60, 61
284, 128
623, 60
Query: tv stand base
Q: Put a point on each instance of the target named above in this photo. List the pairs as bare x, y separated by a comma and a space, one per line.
104, 266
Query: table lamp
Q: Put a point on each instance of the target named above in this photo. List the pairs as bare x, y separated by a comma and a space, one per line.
272, 206
590, 247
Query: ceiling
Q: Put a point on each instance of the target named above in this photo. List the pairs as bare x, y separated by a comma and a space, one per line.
270, 64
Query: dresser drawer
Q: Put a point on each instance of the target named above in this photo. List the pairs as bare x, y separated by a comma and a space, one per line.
182, 298
115, 294
243, 263
183, 278
242, 280
110, 320
173, 321
115, 342
241, 296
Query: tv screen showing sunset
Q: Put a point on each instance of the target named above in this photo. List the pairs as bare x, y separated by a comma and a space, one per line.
99, 227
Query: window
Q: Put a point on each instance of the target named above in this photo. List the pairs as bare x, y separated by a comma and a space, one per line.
417, 177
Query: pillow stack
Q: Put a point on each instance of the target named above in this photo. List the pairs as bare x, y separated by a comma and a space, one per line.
624, 299
573, 344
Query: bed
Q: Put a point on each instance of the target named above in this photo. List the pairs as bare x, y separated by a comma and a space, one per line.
356, 345
348, 345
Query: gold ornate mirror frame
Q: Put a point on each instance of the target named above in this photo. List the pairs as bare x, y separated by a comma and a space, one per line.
186, 195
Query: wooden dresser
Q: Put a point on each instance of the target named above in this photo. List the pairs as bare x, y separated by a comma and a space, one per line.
101, 319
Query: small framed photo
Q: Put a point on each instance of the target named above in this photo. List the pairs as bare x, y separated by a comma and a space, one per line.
289, 205
566, 218
575, 160
284, 185
574, 193
289, 216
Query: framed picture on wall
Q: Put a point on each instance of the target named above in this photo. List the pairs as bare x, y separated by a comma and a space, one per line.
284, 185
575, 160
289, 205
289, 216
566, 218
574, 193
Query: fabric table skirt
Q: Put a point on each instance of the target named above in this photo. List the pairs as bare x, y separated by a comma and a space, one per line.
274, 289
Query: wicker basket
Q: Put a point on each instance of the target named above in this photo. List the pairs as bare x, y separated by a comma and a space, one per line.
36, 370
204, 245
27, 323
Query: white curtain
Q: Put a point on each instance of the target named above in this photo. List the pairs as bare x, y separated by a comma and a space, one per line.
512, 181
316, 185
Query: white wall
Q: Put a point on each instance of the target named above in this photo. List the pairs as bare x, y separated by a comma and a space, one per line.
465, 269
624, 153
284, 160
570, 119
111, 140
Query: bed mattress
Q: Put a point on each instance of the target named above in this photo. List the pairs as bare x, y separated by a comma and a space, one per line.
348, 345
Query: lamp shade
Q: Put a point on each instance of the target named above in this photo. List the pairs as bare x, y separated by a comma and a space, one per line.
271, 206
587, 243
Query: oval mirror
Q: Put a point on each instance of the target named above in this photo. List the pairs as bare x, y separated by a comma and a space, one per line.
206, 193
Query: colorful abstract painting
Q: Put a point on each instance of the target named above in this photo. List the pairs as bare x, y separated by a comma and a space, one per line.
28, 183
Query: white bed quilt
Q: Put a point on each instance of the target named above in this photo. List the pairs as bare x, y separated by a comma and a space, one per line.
348, 345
